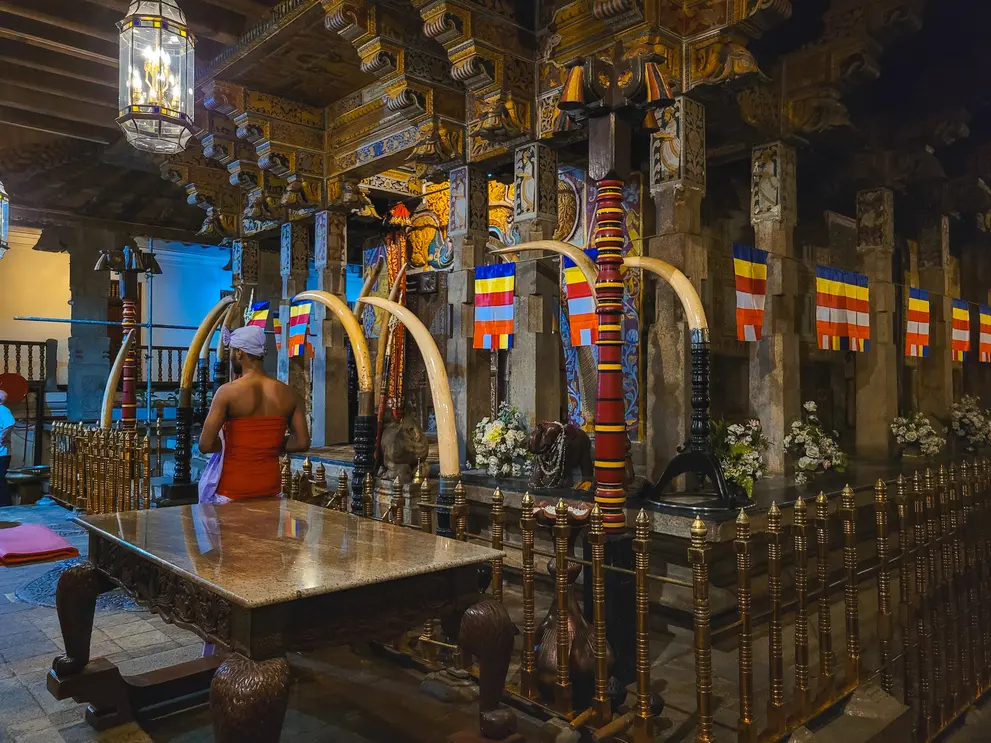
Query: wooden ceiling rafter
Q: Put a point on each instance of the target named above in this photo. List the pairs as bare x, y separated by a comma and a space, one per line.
56, 108
58, 47
42, 217
9, 75
7, 59
104, 34
51, 125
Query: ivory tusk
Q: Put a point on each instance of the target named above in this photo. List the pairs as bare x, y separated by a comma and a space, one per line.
351, 326
192, 357
372, 277
222, 322
440, 388
690, 301
107, 416
497, 246
385, 337
587, 266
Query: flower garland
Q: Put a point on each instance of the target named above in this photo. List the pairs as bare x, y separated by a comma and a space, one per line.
739, 448
501, 444
815, 450
970, 423
916, 431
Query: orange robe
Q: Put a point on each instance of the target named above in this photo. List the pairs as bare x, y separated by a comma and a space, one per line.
251, 457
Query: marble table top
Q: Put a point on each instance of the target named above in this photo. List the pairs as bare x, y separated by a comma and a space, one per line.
271, 551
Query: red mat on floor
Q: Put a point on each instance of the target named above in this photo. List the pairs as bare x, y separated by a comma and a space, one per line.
33, 543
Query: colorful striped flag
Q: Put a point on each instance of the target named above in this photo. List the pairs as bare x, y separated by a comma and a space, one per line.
960, 342
495, 288
750, 267
277, 326
259, 314
581, 304
843, 321
984, 341
299, 318
917, 329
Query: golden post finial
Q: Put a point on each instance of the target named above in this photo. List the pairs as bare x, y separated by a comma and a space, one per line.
425, 507
742, 545
460, 512
883, 582
601, 702
851, 588
321, 478
562, 532
800, 533
367, 496
826, 658
643, 722
776, 714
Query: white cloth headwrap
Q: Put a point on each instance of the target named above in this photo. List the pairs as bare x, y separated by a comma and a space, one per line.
250, 339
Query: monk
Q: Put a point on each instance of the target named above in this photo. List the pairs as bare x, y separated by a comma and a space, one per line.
254, 412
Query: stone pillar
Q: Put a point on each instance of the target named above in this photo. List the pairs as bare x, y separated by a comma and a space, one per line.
294, 269
535, 354
677, 183
330, 363
467, 369
89, 345
936, 370
877, 369
775, 395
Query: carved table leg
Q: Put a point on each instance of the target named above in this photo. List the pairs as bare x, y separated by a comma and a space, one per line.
248, 700
487, 633
75, 601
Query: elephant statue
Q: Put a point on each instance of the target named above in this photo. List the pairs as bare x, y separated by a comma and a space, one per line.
559, 448
404, 445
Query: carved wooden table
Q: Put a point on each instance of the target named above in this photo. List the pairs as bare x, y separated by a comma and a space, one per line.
258, 579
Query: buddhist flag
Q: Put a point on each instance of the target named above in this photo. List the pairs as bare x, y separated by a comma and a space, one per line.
750, 267
299, 318
495, 288
917, 329
277, 326
984, 342
581, 304
843, 321
259, 314
960, 343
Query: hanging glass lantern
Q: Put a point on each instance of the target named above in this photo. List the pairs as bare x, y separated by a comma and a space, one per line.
4, 220
156, 77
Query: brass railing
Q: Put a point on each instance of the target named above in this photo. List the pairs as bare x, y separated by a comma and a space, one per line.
931, 545
100, 471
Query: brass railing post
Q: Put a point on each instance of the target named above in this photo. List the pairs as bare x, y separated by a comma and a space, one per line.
497, 532
744, 563
776, 714
984, 565
399, 502
601, 703
957, 626
906, 616
931, 640
945, 613
883, 584
979, 498
367, 496
562, 531
826, 659
460, 512
528, 524
144, 502
800, 531
285, 476
851, 592
698, 557
643, 722
968, 489
964, 656
426, 511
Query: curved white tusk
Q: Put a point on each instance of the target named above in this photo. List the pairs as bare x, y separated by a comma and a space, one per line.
580, 258
690, 301
107, 415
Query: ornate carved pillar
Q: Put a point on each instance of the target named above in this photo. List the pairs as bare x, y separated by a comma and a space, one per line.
294, 269
535, 348
330, 388
677, 183
877, 369
774, 365
936, 370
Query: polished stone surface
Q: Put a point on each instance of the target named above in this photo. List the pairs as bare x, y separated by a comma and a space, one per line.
270, 551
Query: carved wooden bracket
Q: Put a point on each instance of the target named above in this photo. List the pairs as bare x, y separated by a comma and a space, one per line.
206, 187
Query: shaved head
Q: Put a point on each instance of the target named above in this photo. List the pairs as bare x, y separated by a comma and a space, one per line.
3, 397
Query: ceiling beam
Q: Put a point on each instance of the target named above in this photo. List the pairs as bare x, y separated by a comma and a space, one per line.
58, 47
52, 125
21, 77
105, 34
37, 217
250, 9
39, 103
221, 27
7, 59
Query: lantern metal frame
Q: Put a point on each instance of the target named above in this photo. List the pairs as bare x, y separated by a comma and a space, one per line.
162, 127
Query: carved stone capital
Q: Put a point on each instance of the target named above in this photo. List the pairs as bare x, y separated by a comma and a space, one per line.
876, 219
773, 184
677, 152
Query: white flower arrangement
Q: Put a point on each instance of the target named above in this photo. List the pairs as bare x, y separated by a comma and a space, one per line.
815, 449
740, 448
969, 423
916, 432
501, 444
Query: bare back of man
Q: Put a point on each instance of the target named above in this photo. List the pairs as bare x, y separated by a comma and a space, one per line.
254, 412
